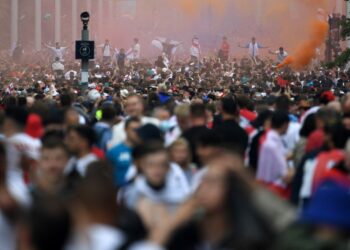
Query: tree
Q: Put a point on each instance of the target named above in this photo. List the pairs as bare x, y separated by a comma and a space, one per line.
344, 57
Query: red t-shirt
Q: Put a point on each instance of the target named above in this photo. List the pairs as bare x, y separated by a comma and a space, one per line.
325, 162
282, 82
315, 140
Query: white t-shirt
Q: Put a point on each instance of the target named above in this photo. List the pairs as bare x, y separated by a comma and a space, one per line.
119, 135
107, 50
57, 66
58, 52
97, 237
176, 191
195, 51
136, 51
20, 145
80, 164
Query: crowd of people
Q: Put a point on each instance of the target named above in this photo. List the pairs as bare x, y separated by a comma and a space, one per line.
201, 153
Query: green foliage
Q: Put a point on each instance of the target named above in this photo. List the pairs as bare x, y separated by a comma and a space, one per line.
341, 60
344, 57
345, 28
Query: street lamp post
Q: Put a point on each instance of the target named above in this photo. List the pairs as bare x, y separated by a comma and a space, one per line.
85, 18
84, 49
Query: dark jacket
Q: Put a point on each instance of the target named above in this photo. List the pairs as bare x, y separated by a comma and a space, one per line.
232, 135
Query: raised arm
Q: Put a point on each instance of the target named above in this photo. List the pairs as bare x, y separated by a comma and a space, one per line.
48, 46
243, 47
262, 47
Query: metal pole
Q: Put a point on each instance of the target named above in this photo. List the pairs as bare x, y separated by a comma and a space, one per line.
14, 23
38, 25
85, 63
57, 20
74, 19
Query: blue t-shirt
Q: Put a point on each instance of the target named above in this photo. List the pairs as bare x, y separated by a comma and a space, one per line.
120, 157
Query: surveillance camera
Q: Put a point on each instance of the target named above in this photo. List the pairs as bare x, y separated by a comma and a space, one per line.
85, 18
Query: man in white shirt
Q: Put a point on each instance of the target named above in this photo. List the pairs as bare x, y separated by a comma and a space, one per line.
20, 148
159, 185
280, 53
136, 50
272, 164
106, 52
57, 65
134, 107
58, 51
195, 50
253, 49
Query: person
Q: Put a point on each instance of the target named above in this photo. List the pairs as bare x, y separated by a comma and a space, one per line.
180, 154
336, 137
280, 53
324, 223
160, 62
198, 126
182, 113
17, 53
136, 50
272, 168
22, 152
262, 124
224, 51
253, 49
324, 117
103, 128
228, 205
106, 52
134, 107
49, 179
208, 144
158, 189
231, 133
167, 46
79, 140
46, 225
57, 51
57, 66
95, 211
306, 130
195, 51
121, 155
121, 57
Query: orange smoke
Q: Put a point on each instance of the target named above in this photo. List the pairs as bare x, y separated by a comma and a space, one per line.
306, 51
189, 6
194, 6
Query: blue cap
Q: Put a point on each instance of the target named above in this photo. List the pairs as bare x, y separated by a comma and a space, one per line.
330, 206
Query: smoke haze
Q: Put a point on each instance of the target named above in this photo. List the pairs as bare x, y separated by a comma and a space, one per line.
275, 23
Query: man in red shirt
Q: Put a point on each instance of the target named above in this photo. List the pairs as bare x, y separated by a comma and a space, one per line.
224, 50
